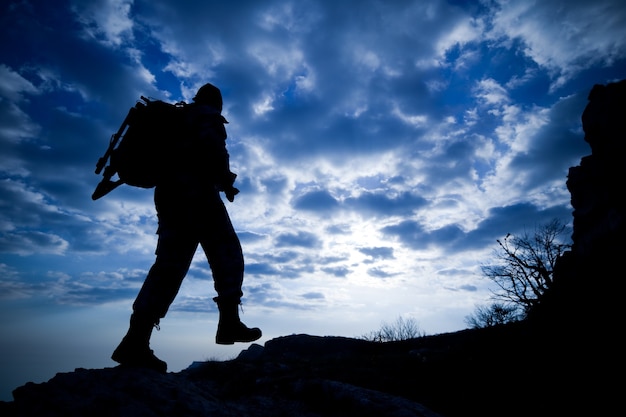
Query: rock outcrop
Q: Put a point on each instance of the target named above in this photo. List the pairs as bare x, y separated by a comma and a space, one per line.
582, 316
588, 278
596, 185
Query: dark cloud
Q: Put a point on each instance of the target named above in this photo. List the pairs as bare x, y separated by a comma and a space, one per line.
86, 295
379, 273
270, 296
298, 239
456, 160
32, 223
251, 237
367, 203
409, 232
274, 185
193, 304
332, 259
511, 219
378, 252
313, 296
338, 229
317, 201
287, 269
336, 271
14, 288
385, 203
556, 146
280, 257
515, 219
32, 242
255, 268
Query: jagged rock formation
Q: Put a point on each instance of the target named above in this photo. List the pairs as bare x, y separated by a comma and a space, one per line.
559, 362
596, 184
583, 314
587, 277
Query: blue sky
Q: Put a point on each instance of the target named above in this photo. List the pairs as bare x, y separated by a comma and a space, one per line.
382, 147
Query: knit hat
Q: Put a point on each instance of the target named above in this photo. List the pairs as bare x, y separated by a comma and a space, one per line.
209, 94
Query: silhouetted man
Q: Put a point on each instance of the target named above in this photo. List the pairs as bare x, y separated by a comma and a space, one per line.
191, 212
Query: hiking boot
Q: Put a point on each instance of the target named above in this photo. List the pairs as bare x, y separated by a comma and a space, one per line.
134, 350
130, 356
228, 334
230, 329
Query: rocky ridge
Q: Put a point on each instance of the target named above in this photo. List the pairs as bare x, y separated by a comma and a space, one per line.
300, 375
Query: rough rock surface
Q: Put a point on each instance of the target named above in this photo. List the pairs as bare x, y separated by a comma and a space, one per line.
561, 361
587, 279
471, 372
287, 377
584, 309
597, 184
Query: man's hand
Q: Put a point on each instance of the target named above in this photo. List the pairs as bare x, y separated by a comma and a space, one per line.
231, 193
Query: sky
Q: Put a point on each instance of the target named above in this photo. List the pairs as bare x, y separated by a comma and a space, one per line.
381, 149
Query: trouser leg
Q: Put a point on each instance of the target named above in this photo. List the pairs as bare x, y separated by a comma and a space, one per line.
226, 261
222, 248
174, 254
223, 251
173, 257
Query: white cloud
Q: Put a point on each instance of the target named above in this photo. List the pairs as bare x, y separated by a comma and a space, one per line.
466, 30
106, 20
296, 17
490, 92
30, 243
13, 86
564, 38
15, 126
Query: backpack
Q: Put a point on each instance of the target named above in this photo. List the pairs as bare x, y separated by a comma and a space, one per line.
141, 158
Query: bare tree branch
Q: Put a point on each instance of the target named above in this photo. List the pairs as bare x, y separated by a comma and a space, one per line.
401, 329
524, 265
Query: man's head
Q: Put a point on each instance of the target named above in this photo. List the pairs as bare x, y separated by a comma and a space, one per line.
210, 95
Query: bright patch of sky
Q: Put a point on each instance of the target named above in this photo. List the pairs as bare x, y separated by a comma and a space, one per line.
381, 149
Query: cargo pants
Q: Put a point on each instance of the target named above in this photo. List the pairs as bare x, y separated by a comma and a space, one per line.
183, 225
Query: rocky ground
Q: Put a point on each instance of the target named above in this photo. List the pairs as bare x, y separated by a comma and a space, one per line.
513, 370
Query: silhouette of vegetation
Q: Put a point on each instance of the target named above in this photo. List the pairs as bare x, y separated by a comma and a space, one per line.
524, 267
401, 329
493, 315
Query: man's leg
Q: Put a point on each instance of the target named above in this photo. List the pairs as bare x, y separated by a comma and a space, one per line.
173, 257
174, 254
223, 251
